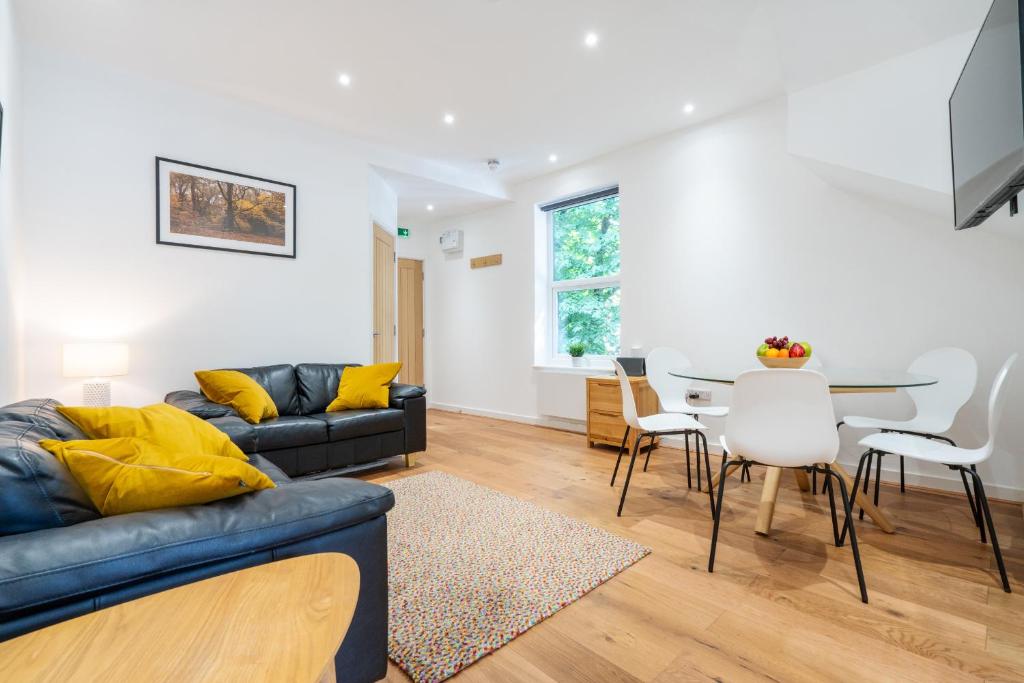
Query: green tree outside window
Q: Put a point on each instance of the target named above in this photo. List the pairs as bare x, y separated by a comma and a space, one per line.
585, 244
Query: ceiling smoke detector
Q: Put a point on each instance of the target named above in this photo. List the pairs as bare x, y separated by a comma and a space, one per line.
493, 164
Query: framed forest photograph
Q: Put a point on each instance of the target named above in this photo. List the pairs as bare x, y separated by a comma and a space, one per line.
207, 208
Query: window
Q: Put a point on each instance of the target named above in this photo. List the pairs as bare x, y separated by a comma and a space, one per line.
584, 272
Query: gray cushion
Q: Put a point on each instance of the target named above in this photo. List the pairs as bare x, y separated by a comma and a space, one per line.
36, 490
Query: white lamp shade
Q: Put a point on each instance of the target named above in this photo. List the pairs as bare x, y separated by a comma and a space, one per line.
95, 359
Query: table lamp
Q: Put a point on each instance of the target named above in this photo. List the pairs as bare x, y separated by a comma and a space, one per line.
97, 361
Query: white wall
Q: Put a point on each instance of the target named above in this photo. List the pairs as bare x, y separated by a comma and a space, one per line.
728, 238
9, 347
93, 270
890, 120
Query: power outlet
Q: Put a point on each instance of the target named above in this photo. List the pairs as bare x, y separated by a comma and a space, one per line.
699, 395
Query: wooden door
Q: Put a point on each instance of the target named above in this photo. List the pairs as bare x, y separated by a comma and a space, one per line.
383, 295
410, 320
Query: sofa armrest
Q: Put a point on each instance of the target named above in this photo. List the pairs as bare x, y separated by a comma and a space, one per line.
197, 404
398, 394
415, 424
62, 564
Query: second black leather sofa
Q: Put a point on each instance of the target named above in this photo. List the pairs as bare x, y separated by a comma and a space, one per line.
307, 442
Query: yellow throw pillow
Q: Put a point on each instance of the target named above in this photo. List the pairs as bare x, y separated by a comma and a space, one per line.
364, 387
238, 390
130, 474
160, 423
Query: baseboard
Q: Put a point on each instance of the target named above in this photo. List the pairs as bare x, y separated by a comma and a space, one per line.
564, 424
890, 476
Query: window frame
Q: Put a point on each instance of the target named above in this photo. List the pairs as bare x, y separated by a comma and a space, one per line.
557, 286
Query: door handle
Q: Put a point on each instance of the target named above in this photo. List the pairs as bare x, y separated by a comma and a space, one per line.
376, 334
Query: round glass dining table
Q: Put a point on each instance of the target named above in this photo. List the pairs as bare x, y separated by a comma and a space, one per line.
840, 381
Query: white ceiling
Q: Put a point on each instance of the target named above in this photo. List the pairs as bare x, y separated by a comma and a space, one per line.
515, 73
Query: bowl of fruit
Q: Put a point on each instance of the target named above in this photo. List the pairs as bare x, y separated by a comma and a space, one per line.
778, 352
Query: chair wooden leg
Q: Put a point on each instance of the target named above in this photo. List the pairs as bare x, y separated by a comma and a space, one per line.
410, 459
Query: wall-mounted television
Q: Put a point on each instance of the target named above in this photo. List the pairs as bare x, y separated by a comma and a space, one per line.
986, 118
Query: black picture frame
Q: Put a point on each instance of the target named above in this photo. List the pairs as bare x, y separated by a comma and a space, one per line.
165, 236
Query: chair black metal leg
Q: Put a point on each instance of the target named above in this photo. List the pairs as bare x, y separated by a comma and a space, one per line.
707, 468
622, 449
853, 535
983, 512
689, 476
867, 480
970, 498
718, 512
650, 447
629, 473
832, 508
814, 483
878, 475
903, 481
856, 488
979, 493
696, 446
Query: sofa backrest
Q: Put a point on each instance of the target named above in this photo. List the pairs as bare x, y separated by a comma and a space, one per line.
279, 381
318, 385
36, 490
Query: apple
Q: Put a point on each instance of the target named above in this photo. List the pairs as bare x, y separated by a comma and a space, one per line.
762, 349
807, 348
797, 351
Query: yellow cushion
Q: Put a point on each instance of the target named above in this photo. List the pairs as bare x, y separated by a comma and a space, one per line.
238, 390
161, 423
364, 387
130, 474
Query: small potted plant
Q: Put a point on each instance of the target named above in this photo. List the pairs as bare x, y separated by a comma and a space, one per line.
576, 350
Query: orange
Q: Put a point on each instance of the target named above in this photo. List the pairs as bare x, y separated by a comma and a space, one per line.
771, 353
783, 353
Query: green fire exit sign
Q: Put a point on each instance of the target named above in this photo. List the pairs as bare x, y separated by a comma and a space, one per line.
403, 232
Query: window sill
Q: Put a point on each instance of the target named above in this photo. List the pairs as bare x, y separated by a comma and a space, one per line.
599, 368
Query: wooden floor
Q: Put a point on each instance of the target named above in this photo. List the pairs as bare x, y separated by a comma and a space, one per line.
782, 608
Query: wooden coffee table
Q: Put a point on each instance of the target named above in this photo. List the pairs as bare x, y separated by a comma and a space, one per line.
282, 621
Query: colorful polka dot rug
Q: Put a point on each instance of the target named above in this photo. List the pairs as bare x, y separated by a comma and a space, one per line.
471, 568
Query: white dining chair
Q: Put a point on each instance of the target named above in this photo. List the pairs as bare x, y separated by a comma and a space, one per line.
784, 418
963, 460
672, 393
650, 426
936, 406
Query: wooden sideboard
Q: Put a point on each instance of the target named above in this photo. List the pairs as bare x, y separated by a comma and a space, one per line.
604, 409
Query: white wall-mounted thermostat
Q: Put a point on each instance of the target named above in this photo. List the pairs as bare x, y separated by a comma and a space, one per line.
451, 240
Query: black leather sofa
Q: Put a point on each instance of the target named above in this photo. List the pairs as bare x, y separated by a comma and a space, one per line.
306, 442
59, 559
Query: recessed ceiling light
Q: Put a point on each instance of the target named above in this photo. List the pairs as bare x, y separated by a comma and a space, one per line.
345, 80
688, 108
552, 158
430, 207
591, 39
449, 119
